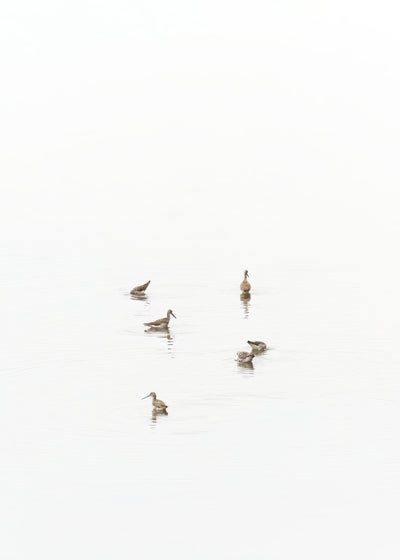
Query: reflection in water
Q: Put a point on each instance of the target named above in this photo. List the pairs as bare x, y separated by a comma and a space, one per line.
162, 333
245, 299
249, 366
155, 414
138, 296
170, 342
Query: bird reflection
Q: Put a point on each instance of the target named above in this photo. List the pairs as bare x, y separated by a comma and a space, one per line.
245, 299
170, 342
138, 295
246, 365
162, 333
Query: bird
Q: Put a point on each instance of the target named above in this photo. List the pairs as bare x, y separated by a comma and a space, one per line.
140, 289
160, 323
244, 357
158, 405
257, 345
245, 284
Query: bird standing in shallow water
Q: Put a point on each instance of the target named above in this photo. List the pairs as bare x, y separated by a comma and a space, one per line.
245, 284
257, 345
158, 405
140, 289
160, 323
244, 357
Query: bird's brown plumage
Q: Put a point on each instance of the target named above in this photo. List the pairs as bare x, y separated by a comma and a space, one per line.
257, 345
158, 404
140, 289
245, 357
245, 284
163, 322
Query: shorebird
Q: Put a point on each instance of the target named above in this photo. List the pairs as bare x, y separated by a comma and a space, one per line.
160, 323
140, 289
244, 357
158, 405
257, 345
245, 284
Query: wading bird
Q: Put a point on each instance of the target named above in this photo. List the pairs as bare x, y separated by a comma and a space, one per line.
140, 289
244, 357
257, 345
160, 323
245, 284
158, 405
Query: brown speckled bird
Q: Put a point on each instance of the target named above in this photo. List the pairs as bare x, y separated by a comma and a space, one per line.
140, 289
158, 405
257, 345
160, 323
245, 284
244, 357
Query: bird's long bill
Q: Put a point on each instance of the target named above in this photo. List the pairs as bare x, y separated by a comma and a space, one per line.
173, 315
145, 397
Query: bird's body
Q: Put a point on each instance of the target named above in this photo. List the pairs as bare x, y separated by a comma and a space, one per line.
257, 345
140, 289
244, 357
245, 285
160, 323
158, 405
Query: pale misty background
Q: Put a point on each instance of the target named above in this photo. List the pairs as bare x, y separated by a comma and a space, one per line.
184, 142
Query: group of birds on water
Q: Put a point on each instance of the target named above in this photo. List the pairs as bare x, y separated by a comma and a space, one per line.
257, 346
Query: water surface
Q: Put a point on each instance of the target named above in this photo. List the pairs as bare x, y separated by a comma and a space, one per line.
299, 443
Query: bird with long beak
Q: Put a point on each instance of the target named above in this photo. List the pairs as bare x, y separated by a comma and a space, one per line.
158, 405
245, 285
160, 323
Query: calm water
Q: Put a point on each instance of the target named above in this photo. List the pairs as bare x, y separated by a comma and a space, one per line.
299, 453
184, 143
